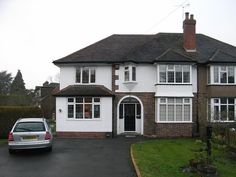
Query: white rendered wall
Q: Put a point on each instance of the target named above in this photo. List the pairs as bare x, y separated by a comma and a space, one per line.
103, 76
104, 124
145, 79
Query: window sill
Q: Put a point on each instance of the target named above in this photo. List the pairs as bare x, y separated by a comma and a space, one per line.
73, 119
174, 122
221, 84
174, 84
130, 82
220, 121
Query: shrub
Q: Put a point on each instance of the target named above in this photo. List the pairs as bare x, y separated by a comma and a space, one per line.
9, 115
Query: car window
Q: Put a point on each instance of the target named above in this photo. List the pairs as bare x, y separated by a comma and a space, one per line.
29, 127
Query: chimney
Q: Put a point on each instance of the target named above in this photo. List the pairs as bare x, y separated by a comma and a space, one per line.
189, 33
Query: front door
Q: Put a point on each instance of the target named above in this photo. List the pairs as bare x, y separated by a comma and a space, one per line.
129, 117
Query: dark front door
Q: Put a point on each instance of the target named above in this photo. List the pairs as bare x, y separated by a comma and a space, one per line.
129, 117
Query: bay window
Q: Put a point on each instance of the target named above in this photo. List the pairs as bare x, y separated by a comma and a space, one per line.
130, 73
223, 74
222, 109
176, 74
174, 109
83, 108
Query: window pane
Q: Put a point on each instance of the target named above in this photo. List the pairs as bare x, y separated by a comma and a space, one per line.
96, 100
70, 100
170, 100
178, 112
162, 73
170, 112
79, 111
230, 74
223, 77
186, 74
216, 100
88, 100
223, 109
178, 74
121, 111
216, 74
170, 76
70, 111
126, 75
179, 100
96, 111
78, 75
138, 111
163, 100
88, 111
186, 112
216, 115
231, 112
92, 75
79, 100
162, 112
231, 100
223, 100
186, 100
133, 74
85, 75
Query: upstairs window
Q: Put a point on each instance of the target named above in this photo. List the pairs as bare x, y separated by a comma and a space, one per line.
130, 73
174, 74
85, 75
223, 74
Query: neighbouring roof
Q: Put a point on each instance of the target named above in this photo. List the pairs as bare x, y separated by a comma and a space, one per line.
85, 90
150, 49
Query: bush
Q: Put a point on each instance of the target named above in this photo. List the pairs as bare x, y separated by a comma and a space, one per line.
9, 115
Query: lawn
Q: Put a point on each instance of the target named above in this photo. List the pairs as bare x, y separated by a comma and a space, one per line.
163, 158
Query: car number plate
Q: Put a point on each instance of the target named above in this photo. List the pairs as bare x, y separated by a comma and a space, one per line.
30, 137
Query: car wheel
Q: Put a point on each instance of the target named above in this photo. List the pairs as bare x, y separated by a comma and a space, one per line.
11, 151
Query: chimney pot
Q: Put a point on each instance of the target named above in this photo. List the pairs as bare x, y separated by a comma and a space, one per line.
191, 17
186, 15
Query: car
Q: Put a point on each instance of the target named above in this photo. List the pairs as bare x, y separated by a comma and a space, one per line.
30, 133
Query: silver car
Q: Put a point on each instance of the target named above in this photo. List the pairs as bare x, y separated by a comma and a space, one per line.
30, 133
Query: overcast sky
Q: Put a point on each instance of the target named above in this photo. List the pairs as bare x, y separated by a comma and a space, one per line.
33, 33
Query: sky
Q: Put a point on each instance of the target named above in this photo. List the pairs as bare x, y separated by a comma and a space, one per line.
34, 33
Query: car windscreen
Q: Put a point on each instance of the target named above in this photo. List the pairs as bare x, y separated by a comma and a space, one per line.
29, 127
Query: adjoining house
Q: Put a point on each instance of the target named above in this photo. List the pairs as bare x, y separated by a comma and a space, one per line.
45, 100
167, 85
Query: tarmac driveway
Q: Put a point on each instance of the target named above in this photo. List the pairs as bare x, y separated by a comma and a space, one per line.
72, 158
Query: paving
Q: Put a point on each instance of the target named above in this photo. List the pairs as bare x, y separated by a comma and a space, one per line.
72, 158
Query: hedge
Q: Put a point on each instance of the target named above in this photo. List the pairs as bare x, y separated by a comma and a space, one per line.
15, 100
9, 115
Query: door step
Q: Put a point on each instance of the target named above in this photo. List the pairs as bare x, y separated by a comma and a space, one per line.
130, 135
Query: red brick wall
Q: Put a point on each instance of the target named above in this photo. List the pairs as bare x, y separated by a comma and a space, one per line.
173, 129
81, 134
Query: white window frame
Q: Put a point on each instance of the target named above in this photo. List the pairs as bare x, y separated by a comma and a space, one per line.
93, 103
81, 75
174, 70
220, 70
129, 70
175, 104
219, 104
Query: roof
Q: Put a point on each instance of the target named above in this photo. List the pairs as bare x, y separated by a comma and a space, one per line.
31, 119
150, 49
85, 90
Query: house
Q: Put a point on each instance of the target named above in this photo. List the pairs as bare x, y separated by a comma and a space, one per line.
167, 85
45, 100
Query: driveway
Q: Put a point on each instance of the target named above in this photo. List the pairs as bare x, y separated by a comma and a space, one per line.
72, 158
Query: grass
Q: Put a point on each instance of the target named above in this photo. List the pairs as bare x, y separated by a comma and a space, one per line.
163, 158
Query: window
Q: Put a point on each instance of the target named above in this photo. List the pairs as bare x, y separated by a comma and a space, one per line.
223, 74
85, 75
129, 73
222, 109
84, 108
174, 74
174, 109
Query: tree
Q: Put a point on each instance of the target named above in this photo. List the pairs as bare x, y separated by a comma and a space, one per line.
18, 85
5, 82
